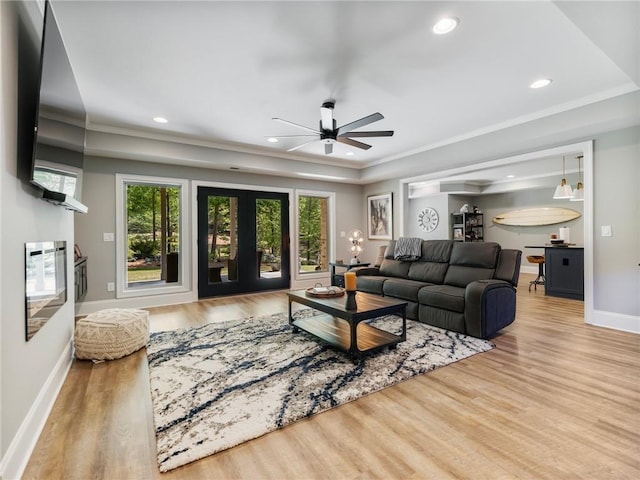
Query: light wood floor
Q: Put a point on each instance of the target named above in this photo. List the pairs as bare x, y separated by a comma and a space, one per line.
556, 399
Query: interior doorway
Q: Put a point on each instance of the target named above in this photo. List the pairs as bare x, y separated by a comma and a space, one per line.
243, 241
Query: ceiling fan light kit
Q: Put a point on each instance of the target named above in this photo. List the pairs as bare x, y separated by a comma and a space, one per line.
329, 134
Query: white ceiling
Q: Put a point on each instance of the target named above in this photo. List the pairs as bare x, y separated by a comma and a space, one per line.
219, 71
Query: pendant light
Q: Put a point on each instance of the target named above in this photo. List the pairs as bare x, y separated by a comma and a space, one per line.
563, 191
578, 193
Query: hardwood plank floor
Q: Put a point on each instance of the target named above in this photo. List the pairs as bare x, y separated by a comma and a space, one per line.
555, 399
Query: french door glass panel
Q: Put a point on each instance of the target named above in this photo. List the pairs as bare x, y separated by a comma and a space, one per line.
269, 237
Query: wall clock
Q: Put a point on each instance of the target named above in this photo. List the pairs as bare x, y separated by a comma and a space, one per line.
428, 219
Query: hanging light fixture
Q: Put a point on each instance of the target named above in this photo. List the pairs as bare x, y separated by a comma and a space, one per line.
578, 193
564, 189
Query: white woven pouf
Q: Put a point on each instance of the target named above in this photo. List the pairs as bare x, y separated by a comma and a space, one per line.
111, 333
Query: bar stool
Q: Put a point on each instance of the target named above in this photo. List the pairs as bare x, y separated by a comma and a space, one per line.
539, 259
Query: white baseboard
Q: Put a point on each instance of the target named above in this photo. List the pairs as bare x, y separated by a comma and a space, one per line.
22, 445
617, 321
86, 308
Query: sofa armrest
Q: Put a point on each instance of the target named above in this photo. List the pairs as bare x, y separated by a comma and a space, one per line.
489, 306
365, 271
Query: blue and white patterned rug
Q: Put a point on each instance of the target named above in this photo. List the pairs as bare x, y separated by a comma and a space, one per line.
216, 386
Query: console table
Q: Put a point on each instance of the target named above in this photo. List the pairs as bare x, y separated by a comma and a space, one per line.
337, 279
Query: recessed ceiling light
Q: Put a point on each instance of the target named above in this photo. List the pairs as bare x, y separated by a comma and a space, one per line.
543, 82
160, 120
349, 153
511, 176
272, 140
445, 25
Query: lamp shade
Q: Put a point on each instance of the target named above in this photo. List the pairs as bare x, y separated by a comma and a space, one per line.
578, 193
563, 191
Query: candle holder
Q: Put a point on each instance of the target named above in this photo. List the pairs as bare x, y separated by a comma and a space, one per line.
351, 303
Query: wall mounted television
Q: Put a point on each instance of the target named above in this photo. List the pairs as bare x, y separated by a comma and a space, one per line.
45, 282
59, 140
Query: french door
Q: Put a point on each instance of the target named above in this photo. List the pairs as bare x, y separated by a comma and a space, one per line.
243, 241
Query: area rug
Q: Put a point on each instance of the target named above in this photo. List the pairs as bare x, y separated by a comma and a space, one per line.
216, 386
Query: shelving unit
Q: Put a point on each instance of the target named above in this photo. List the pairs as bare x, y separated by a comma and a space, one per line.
467, 227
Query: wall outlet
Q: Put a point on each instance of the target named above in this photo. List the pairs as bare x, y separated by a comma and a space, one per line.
606, 230
111, 286
108, 237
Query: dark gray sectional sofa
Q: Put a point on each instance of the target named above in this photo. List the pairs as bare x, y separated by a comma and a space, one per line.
465, 287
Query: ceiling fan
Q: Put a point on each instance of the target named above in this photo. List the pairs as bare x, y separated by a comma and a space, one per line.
329, 134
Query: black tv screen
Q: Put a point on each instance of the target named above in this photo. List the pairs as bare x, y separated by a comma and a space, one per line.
58, 149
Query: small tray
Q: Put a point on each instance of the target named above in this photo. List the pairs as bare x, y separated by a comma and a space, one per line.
324, 292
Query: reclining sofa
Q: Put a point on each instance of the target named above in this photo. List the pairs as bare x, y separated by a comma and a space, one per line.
464, 287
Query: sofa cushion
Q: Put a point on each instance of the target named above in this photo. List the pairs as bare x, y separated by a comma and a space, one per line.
442, 318
470, 262
402, 288
443, 296
370, 283
428, 272
394, 268
438, 251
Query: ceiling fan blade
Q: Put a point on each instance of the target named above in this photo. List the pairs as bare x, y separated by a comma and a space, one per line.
292, 136
302, 145
328, 148
374, 117
296, 125
379, 133
353, 143
326, 116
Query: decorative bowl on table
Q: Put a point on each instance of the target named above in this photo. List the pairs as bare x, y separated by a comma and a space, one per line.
324, 292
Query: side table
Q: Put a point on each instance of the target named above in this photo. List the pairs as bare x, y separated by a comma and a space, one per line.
337, 279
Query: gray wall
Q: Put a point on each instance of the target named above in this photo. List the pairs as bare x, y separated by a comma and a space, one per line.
518, 237
99, 196
440, 203
616, 200
25, 366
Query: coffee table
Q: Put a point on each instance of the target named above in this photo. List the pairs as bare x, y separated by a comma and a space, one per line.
343, 328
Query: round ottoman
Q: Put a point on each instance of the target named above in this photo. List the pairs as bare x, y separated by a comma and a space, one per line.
111, 333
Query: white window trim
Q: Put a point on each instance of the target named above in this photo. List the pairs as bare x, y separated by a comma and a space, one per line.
295, 250
183, 285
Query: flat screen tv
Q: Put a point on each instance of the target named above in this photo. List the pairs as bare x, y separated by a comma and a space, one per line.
59, 140
45, 282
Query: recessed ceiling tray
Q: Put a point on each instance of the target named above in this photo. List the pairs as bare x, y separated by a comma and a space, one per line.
529, 217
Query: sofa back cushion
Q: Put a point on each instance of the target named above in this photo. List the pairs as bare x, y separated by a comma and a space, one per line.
391, 267
434, 262
470, 262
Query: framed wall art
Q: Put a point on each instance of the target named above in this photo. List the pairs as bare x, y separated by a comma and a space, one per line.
380, 216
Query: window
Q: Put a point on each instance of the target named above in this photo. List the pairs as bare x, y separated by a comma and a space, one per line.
315, 226
151, 249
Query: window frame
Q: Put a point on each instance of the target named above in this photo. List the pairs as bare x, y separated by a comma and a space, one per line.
184, 277
331, 222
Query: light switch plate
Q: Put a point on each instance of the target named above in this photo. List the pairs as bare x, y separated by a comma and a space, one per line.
111, 286
108, 237
606, 230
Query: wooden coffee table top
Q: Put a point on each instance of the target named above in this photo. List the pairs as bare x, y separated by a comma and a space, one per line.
368, 305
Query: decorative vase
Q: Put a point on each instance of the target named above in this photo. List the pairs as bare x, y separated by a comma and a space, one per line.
351, 303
